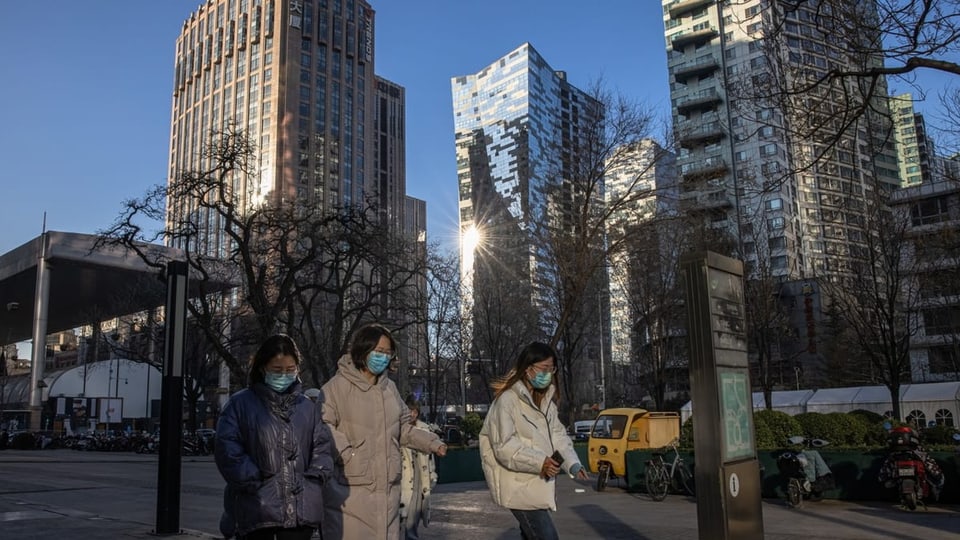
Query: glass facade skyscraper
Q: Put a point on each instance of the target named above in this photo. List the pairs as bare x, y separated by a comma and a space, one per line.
517, 122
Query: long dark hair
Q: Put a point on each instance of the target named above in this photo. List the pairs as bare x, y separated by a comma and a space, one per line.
275, 345
531, 354
365, 340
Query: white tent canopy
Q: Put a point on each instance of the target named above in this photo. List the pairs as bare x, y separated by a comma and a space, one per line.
135, 383
925, 402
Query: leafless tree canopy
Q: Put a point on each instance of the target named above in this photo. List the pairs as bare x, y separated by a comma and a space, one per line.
314, 274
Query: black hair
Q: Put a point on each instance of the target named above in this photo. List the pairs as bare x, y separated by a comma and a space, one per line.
412, 403
365, 340
533, 353
275, 345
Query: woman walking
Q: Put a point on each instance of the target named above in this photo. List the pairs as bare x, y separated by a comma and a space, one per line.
523, 445
370, 422
273, 450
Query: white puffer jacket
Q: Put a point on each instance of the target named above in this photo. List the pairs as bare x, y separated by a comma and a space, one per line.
516, 438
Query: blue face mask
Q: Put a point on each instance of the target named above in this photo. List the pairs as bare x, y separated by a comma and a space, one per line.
377, 362
541, 380
279, 381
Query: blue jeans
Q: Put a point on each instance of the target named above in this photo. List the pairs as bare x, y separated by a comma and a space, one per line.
536, 525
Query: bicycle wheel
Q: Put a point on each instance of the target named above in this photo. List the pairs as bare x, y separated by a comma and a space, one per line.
655, 478
794, 494
603, 474
685, 479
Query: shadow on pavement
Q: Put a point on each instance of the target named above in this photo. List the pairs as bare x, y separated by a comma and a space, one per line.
605, 524
942, 521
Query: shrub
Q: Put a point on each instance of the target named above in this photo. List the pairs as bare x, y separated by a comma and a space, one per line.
471, 425
686, 434
840, 429
869, 417
778, 426
765, 436
938, 435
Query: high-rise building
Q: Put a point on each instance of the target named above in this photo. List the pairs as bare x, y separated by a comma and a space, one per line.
741, 162
517, 123
654, 167
915, 150
520, 128
932, 210
298, 76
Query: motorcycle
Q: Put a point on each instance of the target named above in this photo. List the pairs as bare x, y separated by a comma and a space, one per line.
916, 475
807, 474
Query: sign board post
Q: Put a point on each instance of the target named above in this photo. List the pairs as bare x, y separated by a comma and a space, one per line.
171, 401
727, 471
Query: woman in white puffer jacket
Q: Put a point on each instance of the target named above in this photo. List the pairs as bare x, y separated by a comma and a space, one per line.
522, 439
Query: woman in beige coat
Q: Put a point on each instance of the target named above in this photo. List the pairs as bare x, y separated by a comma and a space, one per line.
523, 445
370, 422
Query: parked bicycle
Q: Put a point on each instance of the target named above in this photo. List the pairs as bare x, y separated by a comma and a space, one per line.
661, 476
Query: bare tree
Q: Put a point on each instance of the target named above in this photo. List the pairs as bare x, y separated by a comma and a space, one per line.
879, 300
443, 379
827, 65
277, 265
572, 216
647, 271
767, 318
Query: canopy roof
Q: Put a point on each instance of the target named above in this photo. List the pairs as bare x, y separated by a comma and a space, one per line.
88, 283
918, 396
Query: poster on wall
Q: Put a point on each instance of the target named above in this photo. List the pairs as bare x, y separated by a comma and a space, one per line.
111, 410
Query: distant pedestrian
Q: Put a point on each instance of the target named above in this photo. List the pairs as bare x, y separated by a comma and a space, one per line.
370, 423
523, 445
417, 481
274, 451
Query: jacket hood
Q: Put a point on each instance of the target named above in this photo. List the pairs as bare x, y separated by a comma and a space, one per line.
349, 371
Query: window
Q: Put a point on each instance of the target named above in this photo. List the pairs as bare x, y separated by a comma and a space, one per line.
941, 321
775, 204
917, 418
943, 359
768, 149
778, 242
775, 223
944, 417
929, 211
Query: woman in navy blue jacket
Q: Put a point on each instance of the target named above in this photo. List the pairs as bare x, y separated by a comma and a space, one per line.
273, 449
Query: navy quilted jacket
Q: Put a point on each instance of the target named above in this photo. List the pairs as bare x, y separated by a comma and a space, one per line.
273, 449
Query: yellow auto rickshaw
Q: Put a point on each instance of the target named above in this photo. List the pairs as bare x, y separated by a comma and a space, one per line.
615, 431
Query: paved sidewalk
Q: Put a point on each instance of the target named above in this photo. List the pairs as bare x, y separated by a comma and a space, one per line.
98, 496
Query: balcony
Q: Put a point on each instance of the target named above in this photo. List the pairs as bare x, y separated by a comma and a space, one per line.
703, 100
682, 7
709, 133
703, 170
702, 66
695, 37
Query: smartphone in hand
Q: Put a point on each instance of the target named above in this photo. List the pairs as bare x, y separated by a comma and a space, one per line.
557, 457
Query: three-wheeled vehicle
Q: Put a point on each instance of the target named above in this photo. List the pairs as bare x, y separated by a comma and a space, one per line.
616, 431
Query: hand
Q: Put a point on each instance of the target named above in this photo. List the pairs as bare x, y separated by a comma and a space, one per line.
550, 468
442, 451
582, 474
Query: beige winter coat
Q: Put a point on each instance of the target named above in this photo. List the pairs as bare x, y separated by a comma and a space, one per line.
517, 437
370, 422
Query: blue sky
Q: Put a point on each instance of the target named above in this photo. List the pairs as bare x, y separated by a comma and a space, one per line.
86, 100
